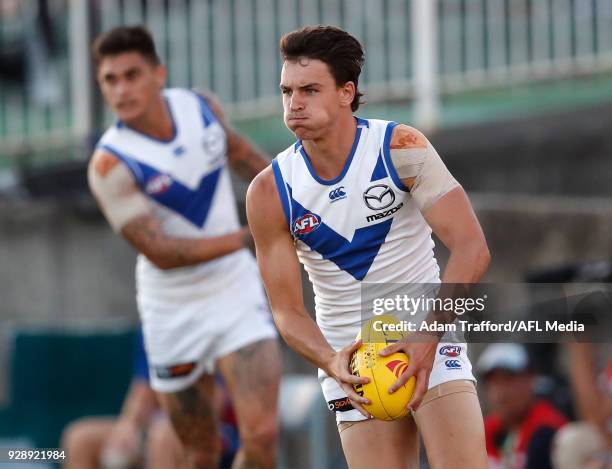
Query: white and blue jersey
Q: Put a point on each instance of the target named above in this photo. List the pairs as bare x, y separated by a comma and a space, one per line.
191, 315
188, 182
361, 227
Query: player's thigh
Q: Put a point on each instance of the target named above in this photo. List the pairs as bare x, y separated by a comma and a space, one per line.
451, 424
192, 412
251, 375
376, 443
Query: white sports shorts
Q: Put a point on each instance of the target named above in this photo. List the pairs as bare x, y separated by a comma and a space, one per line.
451, 363
184, 337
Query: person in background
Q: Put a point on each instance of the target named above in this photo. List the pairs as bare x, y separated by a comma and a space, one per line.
519, 429
587, 444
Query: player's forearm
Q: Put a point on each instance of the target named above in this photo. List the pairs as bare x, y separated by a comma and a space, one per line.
467, 263
304, 336
170, 253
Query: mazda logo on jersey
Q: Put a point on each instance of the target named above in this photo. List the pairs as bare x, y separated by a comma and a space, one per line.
306, 224
379, 197
337, 194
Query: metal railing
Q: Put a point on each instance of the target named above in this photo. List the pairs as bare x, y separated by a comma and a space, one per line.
415, 49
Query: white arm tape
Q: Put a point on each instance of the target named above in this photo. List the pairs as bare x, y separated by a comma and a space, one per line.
118, 196
432, 179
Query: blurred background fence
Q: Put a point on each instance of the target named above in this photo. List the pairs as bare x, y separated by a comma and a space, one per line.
421, 50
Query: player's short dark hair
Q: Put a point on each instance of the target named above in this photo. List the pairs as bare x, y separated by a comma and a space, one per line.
342, 53
125, 39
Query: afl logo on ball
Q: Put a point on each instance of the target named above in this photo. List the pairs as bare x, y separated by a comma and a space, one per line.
306, 224
379, 197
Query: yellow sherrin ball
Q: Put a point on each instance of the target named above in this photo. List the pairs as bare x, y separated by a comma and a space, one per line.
382, 371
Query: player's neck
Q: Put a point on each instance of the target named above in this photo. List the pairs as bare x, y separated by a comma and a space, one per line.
328, 154
156, 122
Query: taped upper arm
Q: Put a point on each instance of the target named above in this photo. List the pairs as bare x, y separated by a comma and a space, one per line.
115, 189
419, 166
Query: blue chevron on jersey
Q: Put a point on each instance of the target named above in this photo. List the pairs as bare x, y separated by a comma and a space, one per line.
380, 172
355, 256
191, 204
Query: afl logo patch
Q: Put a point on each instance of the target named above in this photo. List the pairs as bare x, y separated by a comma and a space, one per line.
306, 224
158, 184
450, 350
379, 197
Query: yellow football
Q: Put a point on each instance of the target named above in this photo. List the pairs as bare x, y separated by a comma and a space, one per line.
382, 371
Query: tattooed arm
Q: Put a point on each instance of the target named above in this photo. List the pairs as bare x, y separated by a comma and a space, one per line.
129, 213
244, 157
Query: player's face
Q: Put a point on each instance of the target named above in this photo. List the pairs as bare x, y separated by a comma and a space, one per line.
311, 99
130, 83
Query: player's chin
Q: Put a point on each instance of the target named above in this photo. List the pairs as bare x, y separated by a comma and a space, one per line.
302, 132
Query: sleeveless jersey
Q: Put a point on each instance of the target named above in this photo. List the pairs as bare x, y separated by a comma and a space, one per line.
187, 180
361, 227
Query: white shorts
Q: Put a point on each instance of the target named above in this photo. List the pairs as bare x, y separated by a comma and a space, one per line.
451, 363
184, 338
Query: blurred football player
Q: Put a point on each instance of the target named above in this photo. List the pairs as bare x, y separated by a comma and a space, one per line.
160, 175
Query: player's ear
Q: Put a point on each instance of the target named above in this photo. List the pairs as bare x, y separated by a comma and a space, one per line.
161, 75
347, 93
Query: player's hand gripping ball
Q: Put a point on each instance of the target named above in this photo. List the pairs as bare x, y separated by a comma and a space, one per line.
382, 371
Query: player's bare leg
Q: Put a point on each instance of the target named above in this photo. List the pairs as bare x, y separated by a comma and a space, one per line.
251, 375
83, 441
164, 449
396, 443
450, 422
193, 418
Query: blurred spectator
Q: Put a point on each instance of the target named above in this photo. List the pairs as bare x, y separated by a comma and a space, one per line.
141, 436
587, 444
519, 428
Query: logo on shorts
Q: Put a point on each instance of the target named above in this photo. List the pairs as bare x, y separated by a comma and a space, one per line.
397, 367
451, 351
453, 364
340, 405
337, 194
158, 184
174, 371
306, 224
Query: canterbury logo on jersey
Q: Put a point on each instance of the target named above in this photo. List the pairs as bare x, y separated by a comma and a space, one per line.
337, 194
